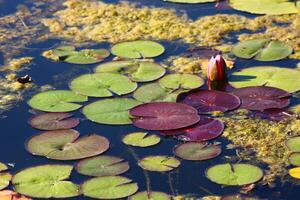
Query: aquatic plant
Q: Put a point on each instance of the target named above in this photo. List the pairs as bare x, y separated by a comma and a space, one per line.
159, 163
140, 139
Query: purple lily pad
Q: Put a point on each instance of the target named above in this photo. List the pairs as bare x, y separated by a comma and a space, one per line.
262, 97
197, 151
53, 121
164, 116
275, 114
206, 101
206, 129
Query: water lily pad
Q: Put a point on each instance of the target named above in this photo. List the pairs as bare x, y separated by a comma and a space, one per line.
141, 139
151, 195
282, 78
138, 71
262, 50
154, 92
197, 151
164, 116
63, 51
109, 187
190, 1
275, 114
66, 145
102, 85
138, 49
3, 166
206, 101
87, 56
53, 121
270, 7
46, 181
5, 177
294, 159
181, 81
57, 101
234, 174
110, 111
295, 172
159, 163
293, 144
205, 129
102, 166
262, 97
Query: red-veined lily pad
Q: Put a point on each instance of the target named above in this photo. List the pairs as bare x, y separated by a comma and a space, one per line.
154, 92
150, 195
294, 159
86, 56
293, 144
262, 97
12, 195
102, 85
181, 81
5, 177
282, 78
205, 129
164, 116
190, 1
46, 181
234, 174
159, 163
109, 187
275, 114
57, 101
53, 121
262, 50
138, 49
102, 166
206, 101
197, 151
138, 71
66, 145
110, 111
140, 139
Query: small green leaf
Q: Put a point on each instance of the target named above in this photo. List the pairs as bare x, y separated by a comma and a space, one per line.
181, 81
159, 163
151, 195
293, 144
294, 159
87, 56
141, 139
4, 176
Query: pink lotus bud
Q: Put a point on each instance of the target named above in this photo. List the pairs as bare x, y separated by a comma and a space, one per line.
217, 69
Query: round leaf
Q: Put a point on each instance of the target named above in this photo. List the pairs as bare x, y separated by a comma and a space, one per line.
46, 181
138, 49
109, 187
53, 121
159, 163
56, 101
151, 195
102, 85
110, 111
234, 174
3, 167
262, 50
293, 144
294, 159
65, 145
4, 180
141, 139
183, 81
295, 172
164, 116
282, 78
197, 151
102, 166
138, 71
87, 56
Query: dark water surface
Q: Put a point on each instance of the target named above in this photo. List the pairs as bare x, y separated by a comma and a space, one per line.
189, 178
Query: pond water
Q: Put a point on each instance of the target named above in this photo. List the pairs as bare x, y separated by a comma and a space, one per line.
188, 179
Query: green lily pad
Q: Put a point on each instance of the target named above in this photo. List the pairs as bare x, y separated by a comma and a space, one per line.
102, 166
87, 56
64, 51
154, 92
141, 139
65, 145
138, 49
102, 85
46, 181
270, 7
262, 50
110, 111
57, 101
234, 174
109, 187
138, 71
181, 81
5, 177
282, 78
159, 163
190, 1
293, 144
294, 159
151, 195
197, 151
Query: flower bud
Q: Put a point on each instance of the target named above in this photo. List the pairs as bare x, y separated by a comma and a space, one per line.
217, 69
